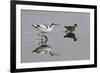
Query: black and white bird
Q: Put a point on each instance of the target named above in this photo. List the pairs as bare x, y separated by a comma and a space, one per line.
43, 28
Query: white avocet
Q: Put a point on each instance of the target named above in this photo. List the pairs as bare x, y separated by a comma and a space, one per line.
43, 28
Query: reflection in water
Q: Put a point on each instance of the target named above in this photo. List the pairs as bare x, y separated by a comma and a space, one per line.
43, 48
43, 41
71, 35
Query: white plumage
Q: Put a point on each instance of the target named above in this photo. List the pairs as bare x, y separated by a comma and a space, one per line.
43, 28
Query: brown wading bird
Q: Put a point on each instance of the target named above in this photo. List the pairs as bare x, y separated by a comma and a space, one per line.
71, 28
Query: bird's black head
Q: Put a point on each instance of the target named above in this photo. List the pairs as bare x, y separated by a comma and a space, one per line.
53, 24
75, 24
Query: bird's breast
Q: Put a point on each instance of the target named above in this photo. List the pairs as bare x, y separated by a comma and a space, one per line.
71, 29
46, 30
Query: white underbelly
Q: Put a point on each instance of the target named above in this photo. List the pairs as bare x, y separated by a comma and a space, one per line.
45, 30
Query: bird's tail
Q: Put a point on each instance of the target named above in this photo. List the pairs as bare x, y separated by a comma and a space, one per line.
34, 25
34, 50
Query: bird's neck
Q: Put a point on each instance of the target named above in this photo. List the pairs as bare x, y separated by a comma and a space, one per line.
51, 26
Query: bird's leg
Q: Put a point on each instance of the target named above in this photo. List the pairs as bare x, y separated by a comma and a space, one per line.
46, 39
42, 38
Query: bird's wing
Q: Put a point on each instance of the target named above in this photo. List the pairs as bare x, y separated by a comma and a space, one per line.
43, 26
46, 25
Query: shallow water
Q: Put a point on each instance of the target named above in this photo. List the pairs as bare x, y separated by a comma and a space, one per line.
65, 47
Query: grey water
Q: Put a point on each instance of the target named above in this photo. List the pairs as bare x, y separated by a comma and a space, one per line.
67, 49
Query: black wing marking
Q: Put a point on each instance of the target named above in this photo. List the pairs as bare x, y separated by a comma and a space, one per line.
46, 25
